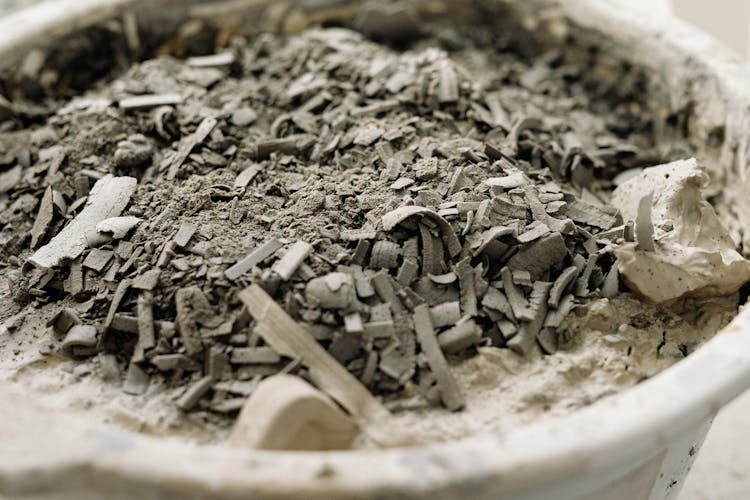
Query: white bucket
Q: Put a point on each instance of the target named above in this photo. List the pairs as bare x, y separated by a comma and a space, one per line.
635, 445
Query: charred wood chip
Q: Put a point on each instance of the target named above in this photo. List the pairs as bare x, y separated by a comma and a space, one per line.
463, 335
408, 272
80, 341
611, 285
555, 317
170, 362
43, 220
184, 234
561, 284
383, 286
523, 342
401, 215
287, 265
332, 291
150, 101
496, 300
109, 197
252, 259
292, 145
465, 273
97, 259
592, 215
385, 255
548, 340
148, 280
445, 314
188, 144
254, 355
64, 320
194, 393
582, 283
518, 303
540, 255
136, 380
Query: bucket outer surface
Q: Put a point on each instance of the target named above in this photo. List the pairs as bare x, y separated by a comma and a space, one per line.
637, 445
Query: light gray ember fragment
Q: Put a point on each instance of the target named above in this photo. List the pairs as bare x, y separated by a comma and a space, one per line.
194, 393
408, 272
445, 314
108, 198
536, 232
253, 259
518, 303
512, 181
246, 176
332, 291
489, 240
64, 320
396, 366
443, 279
379, 329
497, 300
169, 362
628, 232
371, 366
463, 335
381, 282
555, 317
43, 219
97, 259
363, 284
381, 312
523, 341
109, 369
254, 355
136, 380
447, 83
290, 145
582, 283
146, 331
147, 280
597, 216
384, 255
431, 252
561, 284
368, 134
149, 101
540, 255
184, 234
505, 210
468, 300
611, 285
450, 394
242, 117
189, 143
353, 323
548, 340
539, 213
644, 227
133, 152
81, 340
292, 259
522, 278
398, 216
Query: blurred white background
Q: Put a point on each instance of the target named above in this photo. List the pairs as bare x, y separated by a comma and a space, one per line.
727, 20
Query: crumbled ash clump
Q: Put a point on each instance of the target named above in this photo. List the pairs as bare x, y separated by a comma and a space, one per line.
382, 198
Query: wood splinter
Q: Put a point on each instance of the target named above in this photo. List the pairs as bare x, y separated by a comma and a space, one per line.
288, 338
